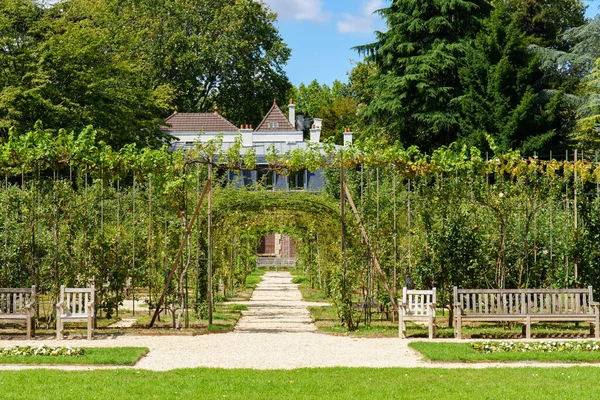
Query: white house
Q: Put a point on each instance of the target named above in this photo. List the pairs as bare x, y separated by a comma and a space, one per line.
275, 129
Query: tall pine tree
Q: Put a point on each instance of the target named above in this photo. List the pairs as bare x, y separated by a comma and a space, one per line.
418, 60
506, 90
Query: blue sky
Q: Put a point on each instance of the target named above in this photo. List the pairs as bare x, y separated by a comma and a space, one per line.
321, 34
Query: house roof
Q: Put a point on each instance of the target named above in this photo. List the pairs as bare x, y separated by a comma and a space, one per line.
197, 122
275, 115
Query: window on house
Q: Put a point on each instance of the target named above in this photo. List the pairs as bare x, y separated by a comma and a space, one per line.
265, 179
273, 125
296, 180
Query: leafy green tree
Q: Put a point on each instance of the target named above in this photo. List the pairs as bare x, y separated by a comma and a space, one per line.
19, 98
69, 66
339, 115
123, 66
313, 97
218, 52
417, 60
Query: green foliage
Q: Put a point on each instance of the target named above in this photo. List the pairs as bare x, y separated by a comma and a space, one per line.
502, 96
588, 126
417, 68
123, 66
336, 105
545, 21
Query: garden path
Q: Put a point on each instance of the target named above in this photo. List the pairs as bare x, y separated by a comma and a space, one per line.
276, 306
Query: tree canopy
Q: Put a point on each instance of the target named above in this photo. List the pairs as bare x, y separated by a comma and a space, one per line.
458, 70
123, 66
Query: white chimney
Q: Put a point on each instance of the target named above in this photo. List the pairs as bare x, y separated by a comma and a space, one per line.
347, 137
315, 134
247, 135
292, 113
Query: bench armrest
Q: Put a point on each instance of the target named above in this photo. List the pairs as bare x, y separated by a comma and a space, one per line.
432, 305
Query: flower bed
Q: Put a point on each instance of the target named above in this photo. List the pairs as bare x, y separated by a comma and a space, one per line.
42, 350
543, 346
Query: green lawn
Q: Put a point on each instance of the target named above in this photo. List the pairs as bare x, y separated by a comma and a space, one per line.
463, 352
319, 383
96, 356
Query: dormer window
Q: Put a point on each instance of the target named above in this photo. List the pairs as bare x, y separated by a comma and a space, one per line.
273, 125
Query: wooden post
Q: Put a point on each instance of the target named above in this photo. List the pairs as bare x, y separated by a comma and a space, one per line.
183, 242
551, 223
395, 235
343, 217
370, 247
209, 255
408, 222
575, 222
133, 249
567, 212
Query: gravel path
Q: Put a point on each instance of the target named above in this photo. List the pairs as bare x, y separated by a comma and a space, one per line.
275, 333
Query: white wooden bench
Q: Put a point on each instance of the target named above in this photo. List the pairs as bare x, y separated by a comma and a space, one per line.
419, 306
17, 305
525, 306
75, 305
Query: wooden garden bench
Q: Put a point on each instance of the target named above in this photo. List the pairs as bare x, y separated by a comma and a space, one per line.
17, 305
525, 306
417, 305
75, 305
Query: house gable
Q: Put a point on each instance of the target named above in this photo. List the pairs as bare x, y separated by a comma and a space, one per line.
275, 121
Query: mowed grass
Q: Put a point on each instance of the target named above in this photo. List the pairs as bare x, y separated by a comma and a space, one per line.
92, 356
462, 352
319, 383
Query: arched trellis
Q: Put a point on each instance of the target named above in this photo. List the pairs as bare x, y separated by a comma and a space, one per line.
313, 222
263, 202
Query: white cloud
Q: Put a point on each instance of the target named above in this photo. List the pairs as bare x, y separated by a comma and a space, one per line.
363, 21
299, 10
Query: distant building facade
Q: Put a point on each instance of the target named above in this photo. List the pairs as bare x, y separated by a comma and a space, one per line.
275, 130
277, 245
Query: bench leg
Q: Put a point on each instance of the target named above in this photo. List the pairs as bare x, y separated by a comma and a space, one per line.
431, 327
90, 327
528, 327
458, 328
597, 326
402, 326
59, 327
29, 328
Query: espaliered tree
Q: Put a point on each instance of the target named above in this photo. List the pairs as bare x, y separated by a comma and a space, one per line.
76, 211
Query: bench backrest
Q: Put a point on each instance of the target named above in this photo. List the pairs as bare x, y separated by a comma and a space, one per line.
524, 301
418, 301
15, 300
76, 300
